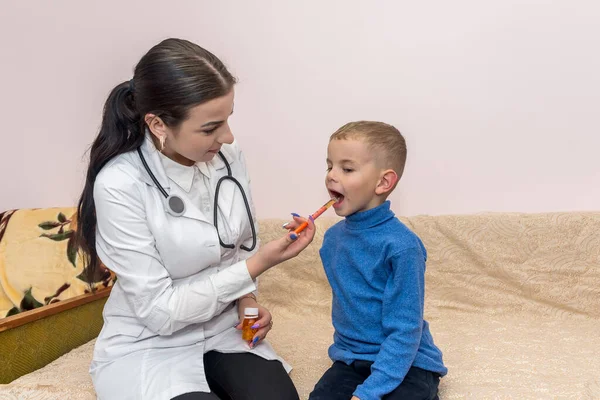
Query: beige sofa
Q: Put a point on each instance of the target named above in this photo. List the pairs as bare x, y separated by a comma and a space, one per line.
513, 301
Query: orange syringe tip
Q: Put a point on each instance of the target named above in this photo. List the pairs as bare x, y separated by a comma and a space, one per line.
315, 215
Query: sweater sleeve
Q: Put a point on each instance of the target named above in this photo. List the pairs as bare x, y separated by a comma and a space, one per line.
402, 322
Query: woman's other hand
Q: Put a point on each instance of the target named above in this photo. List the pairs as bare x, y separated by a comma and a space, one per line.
264, 323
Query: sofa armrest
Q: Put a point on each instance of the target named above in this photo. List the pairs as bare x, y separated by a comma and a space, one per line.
32, 339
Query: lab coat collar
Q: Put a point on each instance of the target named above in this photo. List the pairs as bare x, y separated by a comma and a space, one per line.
182, 175
228, 192
217, 163
152, 157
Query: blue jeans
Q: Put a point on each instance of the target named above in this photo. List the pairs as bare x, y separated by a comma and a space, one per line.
341, 380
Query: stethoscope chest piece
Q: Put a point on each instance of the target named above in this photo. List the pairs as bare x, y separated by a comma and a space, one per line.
176, 205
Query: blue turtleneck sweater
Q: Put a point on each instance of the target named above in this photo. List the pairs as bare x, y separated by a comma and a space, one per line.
376, 268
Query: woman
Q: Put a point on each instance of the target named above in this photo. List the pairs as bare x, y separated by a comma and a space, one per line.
185, 257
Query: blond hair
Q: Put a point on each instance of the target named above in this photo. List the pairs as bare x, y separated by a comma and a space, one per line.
383, 138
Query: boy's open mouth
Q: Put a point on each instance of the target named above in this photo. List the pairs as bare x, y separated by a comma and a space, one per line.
338, 196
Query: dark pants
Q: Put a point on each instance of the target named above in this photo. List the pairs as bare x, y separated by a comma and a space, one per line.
341, 380
243, 376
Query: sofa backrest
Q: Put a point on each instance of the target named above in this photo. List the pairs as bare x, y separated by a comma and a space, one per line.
497, 263
505, 263
494, 263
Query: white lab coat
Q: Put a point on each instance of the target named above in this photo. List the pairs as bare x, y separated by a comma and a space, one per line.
174, 298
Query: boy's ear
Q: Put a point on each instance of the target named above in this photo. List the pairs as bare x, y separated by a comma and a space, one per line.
387, 182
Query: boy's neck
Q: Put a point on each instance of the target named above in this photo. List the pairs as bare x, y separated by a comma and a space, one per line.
374, 203
369, 218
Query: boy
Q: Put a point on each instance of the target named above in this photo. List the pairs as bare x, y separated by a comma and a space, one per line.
382, 347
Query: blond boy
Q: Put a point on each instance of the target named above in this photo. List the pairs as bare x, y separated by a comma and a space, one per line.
382, 347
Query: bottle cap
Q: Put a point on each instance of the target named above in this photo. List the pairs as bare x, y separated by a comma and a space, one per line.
251, 312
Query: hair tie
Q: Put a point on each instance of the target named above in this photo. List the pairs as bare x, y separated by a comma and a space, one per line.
131, 86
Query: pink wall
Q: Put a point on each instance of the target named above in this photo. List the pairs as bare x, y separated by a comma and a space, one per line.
499, 100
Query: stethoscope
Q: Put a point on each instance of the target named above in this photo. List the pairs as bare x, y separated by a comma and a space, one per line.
176, 205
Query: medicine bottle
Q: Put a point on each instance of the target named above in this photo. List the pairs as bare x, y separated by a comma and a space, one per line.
250, 318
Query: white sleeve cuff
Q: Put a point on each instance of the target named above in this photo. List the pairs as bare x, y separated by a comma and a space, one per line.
233, 282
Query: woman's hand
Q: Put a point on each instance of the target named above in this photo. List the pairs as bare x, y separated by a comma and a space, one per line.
282, 249
293, 224
264, 323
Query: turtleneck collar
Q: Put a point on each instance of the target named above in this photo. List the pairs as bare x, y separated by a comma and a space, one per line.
370, 218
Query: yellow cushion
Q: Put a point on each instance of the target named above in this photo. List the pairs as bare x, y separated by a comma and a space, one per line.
39, 264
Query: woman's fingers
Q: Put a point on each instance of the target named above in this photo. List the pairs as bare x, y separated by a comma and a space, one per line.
307, 233
281, 249
262, 322
293, 224
290, 226
260, 335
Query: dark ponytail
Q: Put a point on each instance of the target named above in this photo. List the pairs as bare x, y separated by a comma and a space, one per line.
174, 76
120, 132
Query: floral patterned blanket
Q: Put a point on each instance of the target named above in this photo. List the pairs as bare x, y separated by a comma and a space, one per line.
39, 261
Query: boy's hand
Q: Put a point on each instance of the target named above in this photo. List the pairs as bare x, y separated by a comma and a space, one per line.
354, 398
